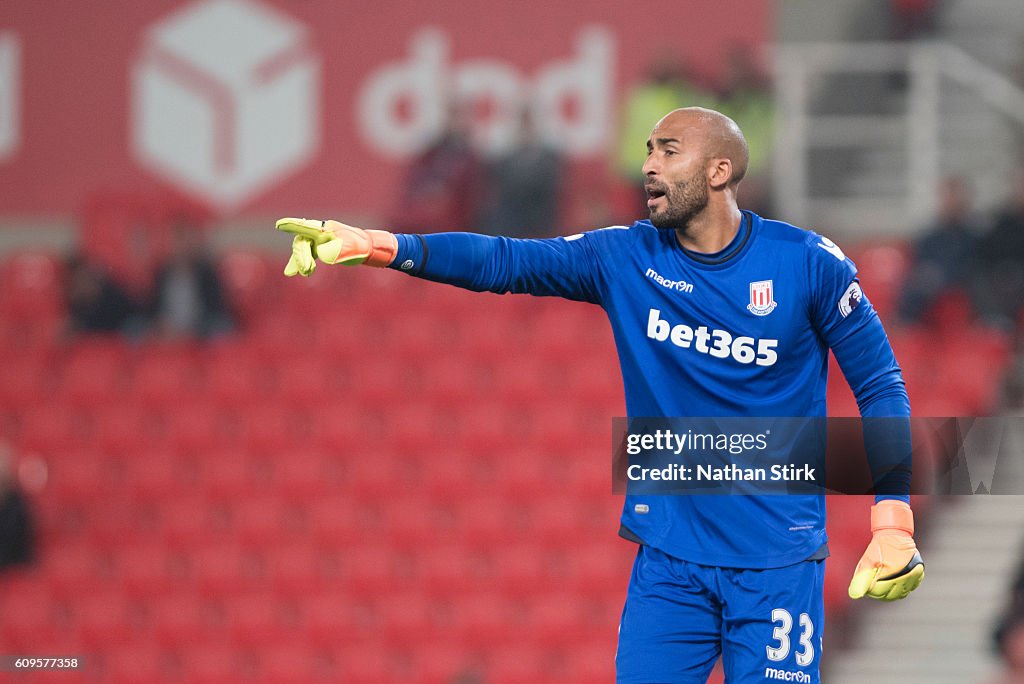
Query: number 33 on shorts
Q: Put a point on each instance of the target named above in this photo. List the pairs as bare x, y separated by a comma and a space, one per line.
804, 654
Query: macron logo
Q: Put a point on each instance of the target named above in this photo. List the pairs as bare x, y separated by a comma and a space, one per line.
677, 285
786, 675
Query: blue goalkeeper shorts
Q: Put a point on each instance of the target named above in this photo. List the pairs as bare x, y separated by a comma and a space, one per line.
679, 617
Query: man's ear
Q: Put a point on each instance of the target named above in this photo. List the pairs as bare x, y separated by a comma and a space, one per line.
719, 172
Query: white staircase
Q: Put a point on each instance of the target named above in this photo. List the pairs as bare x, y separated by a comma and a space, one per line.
991, 31
942, 633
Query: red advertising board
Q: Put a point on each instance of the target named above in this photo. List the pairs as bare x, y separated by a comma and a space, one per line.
259, 106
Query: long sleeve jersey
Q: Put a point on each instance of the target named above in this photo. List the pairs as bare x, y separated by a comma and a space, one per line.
744, 332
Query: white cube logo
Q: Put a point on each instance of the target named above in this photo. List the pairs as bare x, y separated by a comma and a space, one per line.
226, 99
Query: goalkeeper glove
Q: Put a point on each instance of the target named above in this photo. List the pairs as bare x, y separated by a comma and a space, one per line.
335, 243
891, 567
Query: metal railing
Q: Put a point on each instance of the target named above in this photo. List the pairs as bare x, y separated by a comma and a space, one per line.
910, 135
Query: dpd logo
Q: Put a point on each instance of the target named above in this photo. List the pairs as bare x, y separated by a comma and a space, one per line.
207, 93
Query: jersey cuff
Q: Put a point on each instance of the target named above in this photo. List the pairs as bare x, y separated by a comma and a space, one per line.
412, 254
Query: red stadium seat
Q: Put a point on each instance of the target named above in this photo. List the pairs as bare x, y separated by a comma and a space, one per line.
79, 475
155, 474
453, 382
486, 520
226, 570
106, 620
273, 425
520, 663
556, 518
882, 268
526, 474
31, 616
191, 520
139, 663
406, 616
482, 620
448, 474
95, 371
591, 661
29, 378
256, 621
299, 472
602, 566
595, 381
125, 428
298, 569
31, 288
49, 431
262, 521
452, 570
412, 519
229, 474
497, 333
290, 663
519, 569
182, 621
147, 570
196, 427
235, 375
211, 662
526, 380
337, 618
370, 568
487, 428
566, 331
74, 569
303, 381
369, 663
274, 337
556, 619
338, 523
164, 377
437, 660
247, 277
370, 475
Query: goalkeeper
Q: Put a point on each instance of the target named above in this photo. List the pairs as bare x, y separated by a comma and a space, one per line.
747, 335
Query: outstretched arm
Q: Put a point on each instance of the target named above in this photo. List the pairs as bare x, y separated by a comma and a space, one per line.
563, 267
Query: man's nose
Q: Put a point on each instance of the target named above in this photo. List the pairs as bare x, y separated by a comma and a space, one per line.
650, 167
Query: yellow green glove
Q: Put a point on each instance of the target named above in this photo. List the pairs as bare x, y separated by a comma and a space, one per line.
891, 567
335, 243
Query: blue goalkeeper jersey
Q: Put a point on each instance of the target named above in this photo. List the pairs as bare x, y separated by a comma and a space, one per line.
743, 332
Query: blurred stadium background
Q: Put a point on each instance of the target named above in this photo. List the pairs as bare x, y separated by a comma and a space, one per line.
361, 477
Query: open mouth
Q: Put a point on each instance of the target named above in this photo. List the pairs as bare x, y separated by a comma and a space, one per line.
653, 195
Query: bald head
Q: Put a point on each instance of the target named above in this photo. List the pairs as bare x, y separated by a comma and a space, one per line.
718, 136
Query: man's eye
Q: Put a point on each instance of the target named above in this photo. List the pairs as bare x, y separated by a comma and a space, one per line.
669, 152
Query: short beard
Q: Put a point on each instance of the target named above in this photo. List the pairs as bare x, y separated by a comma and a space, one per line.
684, 201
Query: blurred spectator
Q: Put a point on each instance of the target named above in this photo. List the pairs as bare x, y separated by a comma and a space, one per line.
1009, 633
747, 97
17, 535
188, 297
96, 302
913, 19
524, 188
1011, 400
945, 255
1010, 643
1002, 260
442, 186
668, 85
